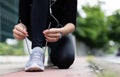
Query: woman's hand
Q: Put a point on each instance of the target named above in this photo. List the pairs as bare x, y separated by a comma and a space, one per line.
52, 35
20, 31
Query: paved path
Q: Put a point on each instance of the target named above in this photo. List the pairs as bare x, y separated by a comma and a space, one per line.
10, 68
78, 69
110, 64
112, 59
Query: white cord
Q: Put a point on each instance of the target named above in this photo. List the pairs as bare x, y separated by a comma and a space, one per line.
50, 22
58, 24
51, 4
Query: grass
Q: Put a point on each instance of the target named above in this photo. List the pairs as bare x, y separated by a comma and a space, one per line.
102, 73
107, 73
16, 50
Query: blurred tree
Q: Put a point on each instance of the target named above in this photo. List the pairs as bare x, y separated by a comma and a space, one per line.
114, 26
93, 28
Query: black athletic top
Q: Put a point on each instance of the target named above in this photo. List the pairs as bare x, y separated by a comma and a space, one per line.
64, 10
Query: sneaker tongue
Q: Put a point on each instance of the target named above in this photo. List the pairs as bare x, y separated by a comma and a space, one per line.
37, 53
36, 56
37, 50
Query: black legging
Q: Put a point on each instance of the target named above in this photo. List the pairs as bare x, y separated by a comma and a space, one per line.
39, 21
62, 52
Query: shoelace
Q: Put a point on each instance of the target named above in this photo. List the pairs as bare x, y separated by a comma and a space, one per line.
26, 40
46, 41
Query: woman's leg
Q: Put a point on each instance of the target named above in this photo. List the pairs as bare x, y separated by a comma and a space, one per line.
63, 52
39, 21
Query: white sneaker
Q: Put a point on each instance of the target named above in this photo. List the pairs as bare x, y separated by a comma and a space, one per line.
36, 61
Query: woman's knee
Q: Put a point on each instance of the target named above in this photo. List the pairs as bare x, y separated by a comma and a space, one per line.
64, 61
64, 55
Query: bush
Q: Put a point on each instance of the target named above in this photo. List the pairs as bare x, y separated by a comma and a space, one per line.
92, 29
11, 50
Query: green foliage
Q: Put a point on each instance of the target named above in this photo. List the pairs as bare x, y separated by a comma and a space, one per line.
90, 59
92, 29
11, 50
108, 74
96, 29
114, 26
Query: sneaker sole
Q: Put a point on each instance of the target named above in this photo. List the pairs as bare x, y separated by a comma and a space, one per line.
34, 68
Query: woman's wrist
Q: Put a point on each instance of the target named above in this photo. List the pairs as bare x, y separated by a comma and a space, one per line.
68, 28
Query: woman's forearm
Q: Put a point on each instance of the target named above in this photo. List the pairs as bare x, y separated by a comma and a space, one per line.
68, 28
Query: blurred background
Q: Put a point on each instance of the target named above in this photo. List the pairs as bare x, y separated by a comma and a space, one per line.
97, 32
98, 27
8, 18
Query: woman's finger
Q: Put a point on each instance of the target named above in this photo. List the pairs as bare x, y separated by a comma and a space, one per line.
19, 33
49, 39
20, 28
51, 31
18, 37
56, 35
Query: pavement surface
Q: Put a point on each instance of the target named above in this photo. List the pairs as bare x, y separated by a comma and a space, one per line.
10, 68
110, 64
78, 69
112, 59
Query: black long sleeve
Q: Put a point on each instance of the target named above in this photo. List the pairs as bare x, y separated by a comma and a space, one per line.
65, 11
70, 10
